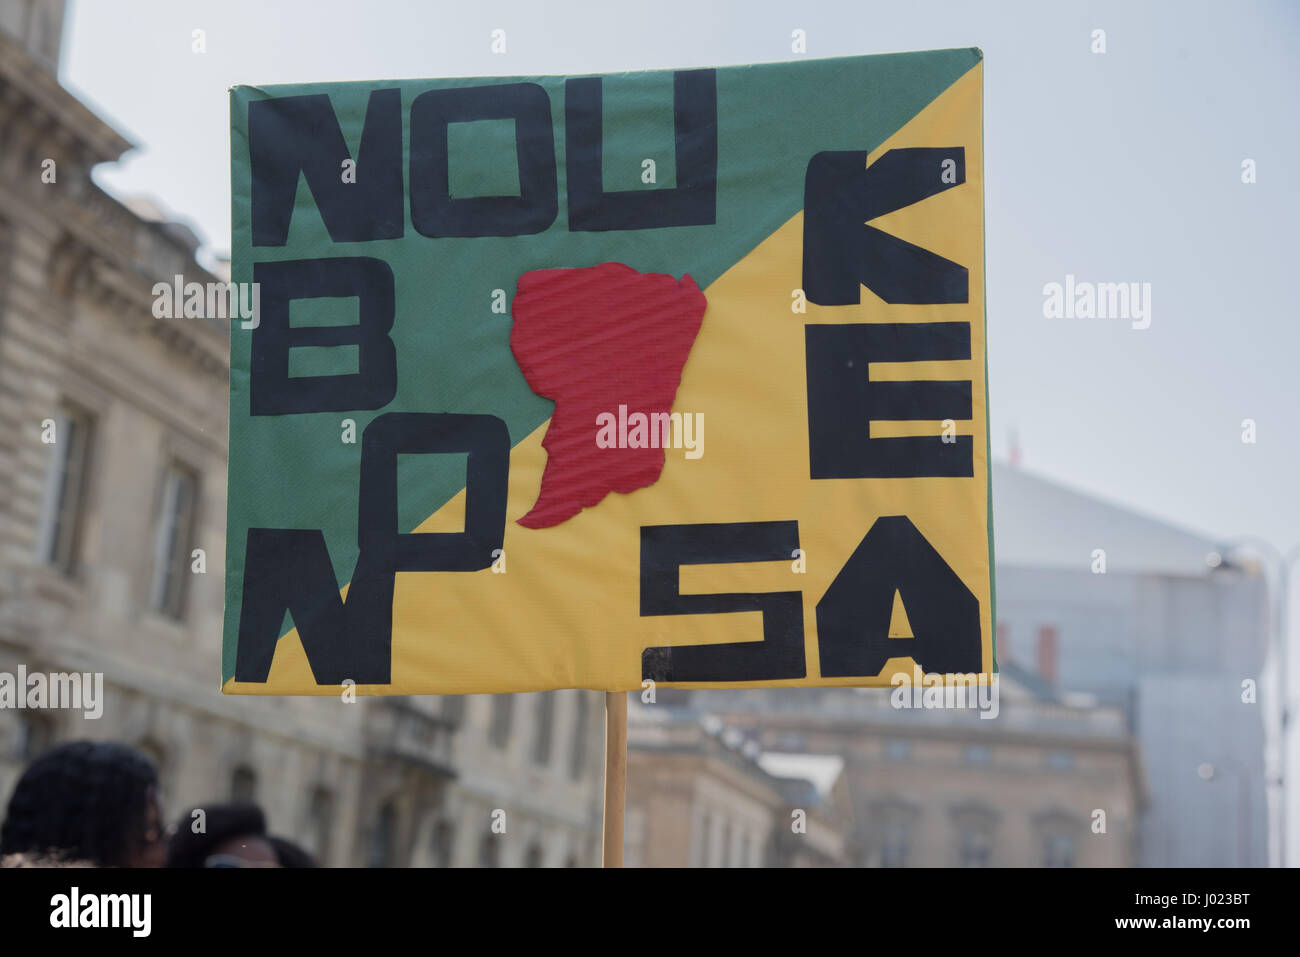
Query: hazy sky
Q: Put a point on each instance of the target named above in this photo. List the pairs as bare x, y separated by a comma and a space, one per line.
1124, 166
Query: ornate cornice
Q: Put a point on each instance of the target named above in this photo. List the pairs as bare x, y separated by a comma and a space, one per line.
101, 249
31, 90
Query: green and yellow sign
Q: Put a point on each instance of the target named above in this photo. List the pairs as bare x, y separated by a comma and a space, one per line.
581, 381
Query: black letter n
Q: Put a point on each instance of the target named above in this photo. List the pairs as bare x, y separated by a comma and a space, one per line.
289, 569
293, 134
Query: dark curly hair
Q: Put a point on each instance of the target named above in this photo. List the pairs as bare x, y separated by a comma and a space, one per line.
85, 801
290, 854
221, 823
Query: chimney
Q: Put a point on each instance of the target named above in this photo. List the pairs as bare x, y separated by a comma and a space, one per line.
1048, 653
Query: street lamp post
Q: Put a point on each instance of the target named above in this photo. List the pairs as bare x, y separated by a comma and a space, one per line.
1208, 772
1280, 639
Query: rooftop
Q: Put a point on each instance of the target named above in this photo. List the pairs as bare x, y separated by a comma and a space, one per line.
1039, 523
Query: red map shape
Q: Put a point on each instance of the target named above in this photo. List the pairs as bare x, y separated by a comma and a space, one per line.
593, 339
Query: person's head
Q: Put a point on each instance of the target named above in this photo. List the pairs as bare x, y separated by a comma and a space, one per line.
290, 854
222, 835
93, 801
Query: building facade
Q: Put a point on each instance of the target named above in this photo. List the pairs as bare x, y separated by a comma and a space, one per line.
529, 785
112, 520
698, 795
1049, 782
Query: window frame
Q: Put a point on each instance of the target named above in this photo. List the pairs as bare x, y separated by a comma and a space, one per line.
544, 729
169, 590
61, 520
501, 720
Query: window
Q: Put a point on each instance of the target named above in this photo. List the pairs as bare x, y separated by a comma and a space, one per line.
711, 852
896, 749
320, 821
173, 536
976, 824
978, 754
893, 846
892, 821
503, 706
65, 488
1058, 831
453, 708
381, 837
1058, 850
243, 785
35, 735
976, 848
578, 756
1060, 760
543, 729
704, 829
489, 851
444, 841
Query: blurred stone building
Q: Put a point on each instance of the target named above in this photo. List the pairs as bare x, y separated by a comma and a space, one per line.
699, 794
540, 759
943, 787
112, 519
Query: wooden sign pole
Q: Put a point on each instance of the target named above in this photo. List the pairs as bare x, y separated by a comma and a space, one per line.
615, 777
